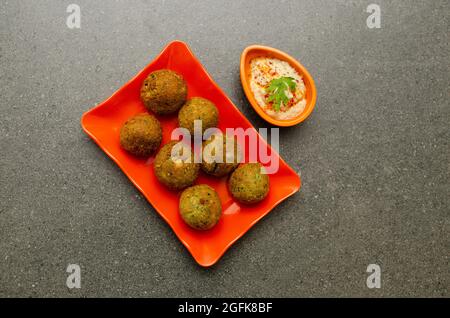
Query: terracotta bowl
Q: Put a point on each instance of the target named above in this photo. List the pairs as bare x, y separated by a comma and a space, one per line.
264, 51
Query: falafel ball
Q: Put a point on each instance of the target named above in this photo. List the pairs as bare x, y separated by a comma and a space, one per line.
178, 172
141, 135
248, 184
164, 92
200, 207
227, 159
198, 108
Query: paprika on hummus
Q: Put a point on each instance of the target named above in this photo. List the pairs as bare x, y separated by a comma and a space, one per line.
277, 87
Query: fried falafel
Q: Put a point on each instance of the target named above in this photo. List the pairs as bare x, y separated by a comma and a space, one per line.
164, 92
176, 172
198, 108
248, 184
200, 207
141, 135
217, 160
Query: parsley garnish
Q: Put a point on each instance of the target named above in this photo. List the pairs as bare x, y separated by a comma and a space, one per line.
277, 91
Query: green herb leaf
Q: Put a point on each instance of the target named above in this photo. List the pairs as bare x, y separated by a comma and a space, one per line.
277, 91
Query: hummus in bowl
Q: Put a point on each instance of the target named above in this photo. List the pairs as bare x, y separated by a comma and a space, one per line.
264, 71
278, 87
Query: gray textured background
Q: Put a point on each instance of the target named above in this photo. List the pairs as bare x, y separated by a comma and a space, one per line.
374, 155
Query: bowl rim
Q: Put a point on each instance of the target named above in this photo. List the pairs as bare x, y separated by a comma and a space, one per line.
297, 66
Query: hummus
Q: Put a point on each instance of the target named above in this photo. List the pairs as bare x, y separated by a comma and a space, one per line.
263, 71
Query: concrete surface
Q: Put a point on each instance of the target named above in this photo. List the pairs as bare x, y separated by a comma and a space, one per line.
374, 156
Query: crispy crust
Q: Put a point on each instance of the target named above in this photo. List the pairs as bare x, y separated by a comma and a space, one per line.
200, 207
141, 135
198, 108
248, 185
176, 175
164, 92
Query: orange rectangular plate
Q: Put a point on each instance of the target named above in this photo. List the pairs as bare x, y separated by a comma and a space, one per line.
103, 124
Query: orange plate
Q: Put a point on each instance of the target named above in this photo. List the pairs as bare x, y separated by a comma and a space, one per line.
264, 51
103, 124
